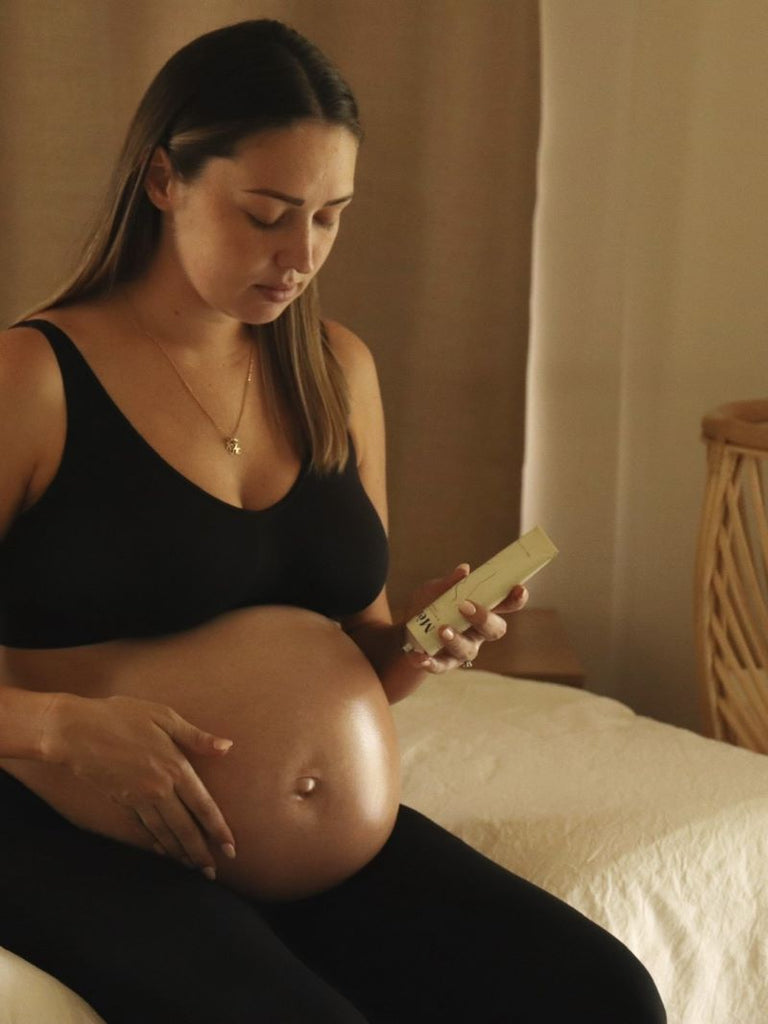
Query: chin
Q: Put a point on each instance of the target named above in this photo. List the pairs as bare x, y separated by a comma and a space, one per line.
256, 313
267, 318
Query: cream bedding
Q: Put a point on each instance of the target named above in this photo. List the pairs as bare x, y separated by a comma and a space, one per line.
654, 832
29, 996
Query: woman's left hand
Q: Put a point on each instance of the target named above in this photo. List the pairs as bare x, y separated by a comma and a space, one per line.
483, 624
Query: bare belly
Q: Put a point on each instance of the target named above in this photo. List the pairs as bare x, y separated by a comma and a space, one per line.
300, 701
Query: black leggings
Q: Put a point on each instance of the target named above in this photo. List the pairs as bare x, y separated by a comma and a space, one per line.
429, 931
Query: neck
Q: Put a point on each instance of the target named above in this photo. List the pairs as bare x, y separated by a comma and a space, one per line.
172, 313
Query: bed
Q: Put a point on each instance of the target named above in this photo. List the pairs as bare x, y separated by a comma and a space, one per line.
655, 832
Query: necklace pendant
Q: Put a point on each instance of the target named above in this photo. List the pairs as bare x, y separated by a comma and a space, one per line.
232, 445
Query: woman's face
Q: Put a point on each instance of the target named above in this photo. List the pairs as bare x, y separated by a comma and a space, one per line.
251, 231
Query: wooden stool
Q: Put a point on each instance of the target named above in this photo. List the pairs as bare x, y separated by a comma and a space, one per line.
732, 576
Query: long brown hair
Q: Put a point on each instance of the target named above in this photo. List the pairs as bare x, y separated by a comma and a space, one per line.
224, 85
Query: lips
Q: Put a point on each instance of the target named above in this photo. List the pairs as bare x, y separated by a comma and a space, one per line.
278, 292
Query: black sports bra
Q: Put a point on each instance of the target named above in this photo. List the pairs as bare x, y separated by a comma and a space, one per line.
123, 545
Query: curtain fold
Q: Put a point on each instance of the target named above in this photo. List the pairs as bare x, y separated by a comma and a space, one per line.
649, 307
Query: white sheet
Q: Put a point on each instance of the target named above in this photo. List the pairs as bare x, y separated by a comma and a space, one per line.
656, 833
30, 996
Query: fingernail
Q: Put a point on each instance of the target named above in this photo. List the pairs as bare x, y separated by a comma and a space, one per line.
467, 608
229, 850
447, 633
210, 873
222, 744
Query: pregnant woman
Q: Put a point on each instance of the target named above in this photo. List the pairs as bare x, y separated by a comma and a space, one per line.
199, 775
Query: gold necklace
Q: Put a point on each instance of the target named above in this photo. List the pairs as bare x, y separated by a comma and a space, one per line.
231, 441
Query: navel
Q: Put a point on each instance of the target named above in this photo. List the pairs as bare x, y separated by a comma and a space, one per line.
305, 786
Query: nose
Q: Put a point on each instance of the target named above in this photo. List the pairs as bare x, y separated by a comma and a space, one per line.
297, 252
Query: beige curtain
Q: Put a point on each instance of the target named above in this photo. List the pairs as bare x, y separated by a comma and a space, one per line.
649, 307
432, 268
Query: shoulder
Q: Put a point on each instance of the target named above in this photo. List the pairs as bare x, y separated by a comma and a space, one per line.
357, 362
28, 368
353, 355
32, 418
366, 417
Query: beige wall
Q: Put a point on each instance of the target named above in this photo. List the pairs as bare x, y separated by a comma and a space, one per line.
650, 307
432, 268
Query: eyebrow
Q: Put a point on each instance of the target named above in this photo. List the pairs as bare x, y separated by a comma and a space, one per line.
293, 200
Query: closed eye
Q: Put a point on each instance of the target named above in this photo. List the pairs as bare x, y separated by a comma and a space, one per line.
266, 224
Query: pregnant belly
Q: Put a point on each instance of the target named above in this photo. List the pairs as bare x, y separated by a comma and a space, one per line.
310, 788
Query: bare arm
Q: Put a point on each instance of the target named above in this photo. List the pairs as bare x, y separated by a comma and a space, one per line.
32, 427
22, 720
132, 750
373, 630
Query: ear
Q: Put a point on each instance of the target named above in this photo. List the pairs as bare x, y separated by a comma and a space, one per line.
159, 179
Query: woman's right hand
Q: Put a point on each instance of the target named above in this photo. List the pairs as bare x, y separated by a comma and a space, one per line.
134, 752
